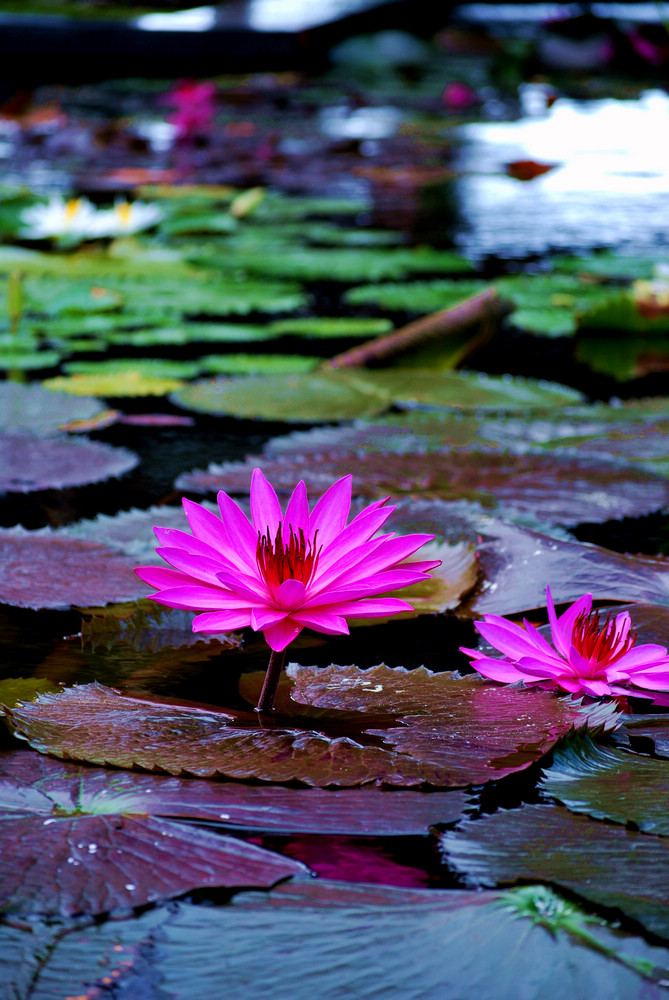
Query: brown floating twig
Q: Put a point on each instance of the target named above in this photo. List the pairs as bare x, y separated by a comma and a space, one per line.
482, 308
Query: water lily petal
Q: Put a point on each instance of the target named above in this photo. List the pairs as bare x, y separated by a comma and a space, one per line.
282, 634
265, 507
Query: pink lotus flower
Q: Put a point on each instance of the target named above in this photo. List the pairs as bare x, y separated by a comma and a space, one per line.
589, 657
284, 572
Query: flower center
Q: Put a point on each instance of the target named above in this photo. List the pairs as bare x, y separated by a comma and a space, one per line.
601, 645
124, 212
293, 558
72, 209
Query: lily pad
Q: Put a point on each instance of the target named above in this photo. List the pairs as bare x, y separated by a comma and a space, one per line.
624, 359
604, 863
29, 463
40, 569
252, 364
332, 326
448, 732
76, 841
309, 397
611, 784
130, 382
399, 943
160, 368
566, 490
32, 408
415, 296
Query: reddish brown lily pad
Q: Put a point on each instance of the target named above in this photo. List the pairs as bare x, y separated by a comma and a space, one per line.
565, 489
39, 569
29, 463
415, 727
605, 863
79, 841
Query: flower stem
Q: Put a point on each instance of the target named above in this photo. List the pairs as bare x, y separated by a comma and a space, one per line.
271, 683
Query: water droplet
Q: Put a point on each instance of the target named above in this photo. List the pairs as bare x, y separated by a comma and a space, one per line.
224, 815
129, 886
92, 848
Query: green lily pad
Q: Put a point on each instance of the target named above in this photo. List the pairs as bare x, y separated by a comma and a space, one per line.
124, 382
252, 364
417, 296
157, 368
332, 326
308, 397
624, 359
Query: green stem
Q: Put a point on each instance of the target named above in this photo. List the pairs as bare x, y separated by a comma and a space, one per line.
271, 683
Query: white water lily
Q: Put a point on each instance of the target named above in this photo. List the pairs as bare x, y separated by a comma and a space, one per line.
126, 217
73, 219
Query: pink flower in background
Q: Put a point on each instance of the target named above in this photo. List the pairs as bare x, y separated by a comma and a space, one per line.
587, 656
196, 107
285, 571
458, 96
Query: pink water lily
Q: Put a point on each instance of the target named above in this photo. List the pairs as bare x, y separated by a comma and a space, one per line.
587, 656
282, 572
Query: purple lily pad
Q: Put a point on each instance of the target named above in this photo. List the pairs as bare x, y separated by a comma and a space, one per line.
566, 489
604, 863
40, 569
336, 939
29, 463
443, 731
76, 841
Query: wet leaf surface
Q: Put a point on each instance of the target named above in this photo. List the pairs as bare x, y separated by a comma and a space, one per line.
30, 408
565, 490
606, 864
611, 784
403, 944
449, 732
29, 464
42, 570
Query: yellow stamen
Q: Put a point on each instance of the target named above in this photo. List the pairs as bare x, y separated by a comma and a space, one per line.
72, 208
124, 212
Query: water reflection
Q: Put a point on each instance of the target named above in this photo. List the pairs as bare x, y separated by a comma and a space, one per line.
608, 185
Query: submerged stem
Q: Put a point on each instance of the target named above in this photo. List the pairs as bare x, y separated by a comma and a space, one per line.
271, 682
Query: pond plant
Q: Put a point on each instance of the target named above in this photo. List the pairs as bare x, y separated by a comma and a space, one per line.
282, 572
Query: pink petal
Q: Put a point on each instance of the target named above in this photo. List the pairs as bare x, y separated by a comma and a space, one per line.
262, 618
495, 670
265, 506
291, 594
653, 680
161, 576
330, 513
649, 654
198, 567
194, 598
243, 537
562, 628
354, 534
297, 511
206, 526
255, 591
507, 637
596, 688
322, 621
282, 634
377, 608
221, 621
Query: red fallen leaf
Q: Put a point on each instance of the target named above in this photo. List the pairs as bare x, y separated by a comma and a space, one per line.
527, 170
156, 420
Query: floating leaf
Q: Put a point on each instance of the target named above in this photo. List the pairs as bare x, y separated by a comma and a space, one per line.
251, 364
417, 944
29, 463
604, 863
28, 359
77, 841
129, 382
309, 397
610, 784
32, 408
624, 359
40, 569
332, 326
449, 732
160, 368
417, 296
565, 489
607, 265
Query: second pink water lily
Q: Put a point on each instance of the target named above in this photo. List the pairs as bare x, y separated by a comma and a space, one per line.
587, 656
281, 572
